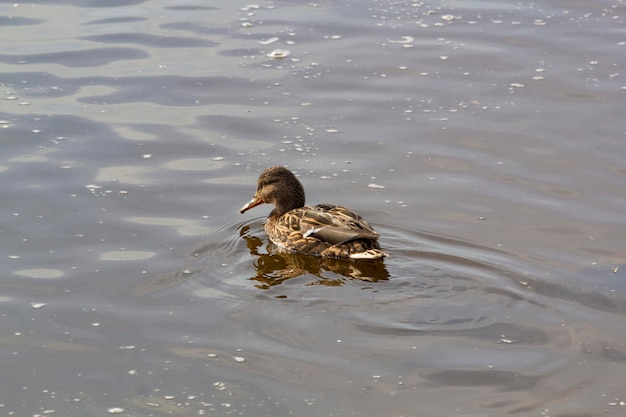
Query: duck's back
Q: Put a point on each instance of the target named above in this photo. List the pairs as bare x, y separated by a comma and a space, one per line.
325, 230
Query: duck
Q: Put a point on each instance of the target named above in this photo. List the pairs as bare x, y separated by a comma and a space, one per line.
324, 230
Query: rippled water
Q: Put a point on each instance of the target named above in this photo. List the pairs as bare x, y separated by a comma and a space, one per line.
485, 142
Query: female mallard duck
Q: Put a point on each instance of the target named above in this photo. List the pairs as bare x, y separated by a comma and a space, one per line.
323, 230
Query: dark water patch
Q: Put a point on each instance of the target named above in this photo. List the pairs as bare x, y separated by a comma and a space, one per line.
613, 355
582, 296
190, 7
197, 28
241, 52
66, 130
36, 134
161, 89
151, 40
238, 126
506, 381
18, 21
88, 3
116, 20
506, 333
171, 90
39, 84
95, 57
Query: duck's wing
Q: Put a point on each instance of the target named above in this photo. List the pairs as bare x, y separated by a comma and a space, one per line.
324, 230
334, 224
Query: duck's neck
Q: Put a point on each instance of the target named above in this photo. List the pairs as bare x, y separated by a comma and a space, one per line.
281, 209
275, 214
295, 200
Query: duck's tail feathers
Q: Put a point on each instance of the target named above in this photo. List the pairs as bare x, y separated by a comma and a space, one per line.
368, 254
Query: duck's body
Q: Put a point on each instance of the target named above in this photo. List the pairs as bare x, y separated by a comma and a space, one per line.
323, 230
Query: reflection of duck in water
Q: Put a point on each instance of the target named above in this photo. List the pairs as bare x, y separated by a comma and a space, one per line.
323, 230
273, 267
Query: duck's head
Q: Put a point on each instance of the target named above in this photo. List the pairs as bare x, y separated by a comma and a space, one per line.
278, 186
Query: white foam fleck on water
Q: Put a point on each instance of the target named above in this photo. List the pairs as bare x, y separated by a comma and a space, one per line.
403, 40
269, 41
279, 54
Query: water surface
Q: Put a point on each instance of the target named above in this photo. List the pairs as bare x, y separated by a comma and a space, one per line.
483, 140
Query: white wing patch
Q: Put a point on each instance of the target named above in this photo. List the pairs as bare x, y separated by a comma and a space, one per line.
311, 231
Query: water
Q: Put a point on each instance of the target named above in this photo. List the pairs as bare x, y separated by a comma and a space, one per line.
483, 140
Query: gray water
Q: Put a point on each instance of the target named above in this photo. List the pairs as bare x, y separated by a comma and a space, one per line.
485, 142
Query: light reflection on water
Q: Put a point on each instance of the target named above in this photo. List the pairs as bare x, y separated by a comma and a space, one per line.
132, 133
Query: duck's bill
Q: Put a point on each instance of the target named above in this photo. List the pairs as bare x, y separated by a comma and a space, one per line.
253, 203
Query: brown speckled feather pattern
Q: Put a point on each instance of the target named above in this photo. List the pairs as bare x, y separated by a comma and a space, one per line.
325, 230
